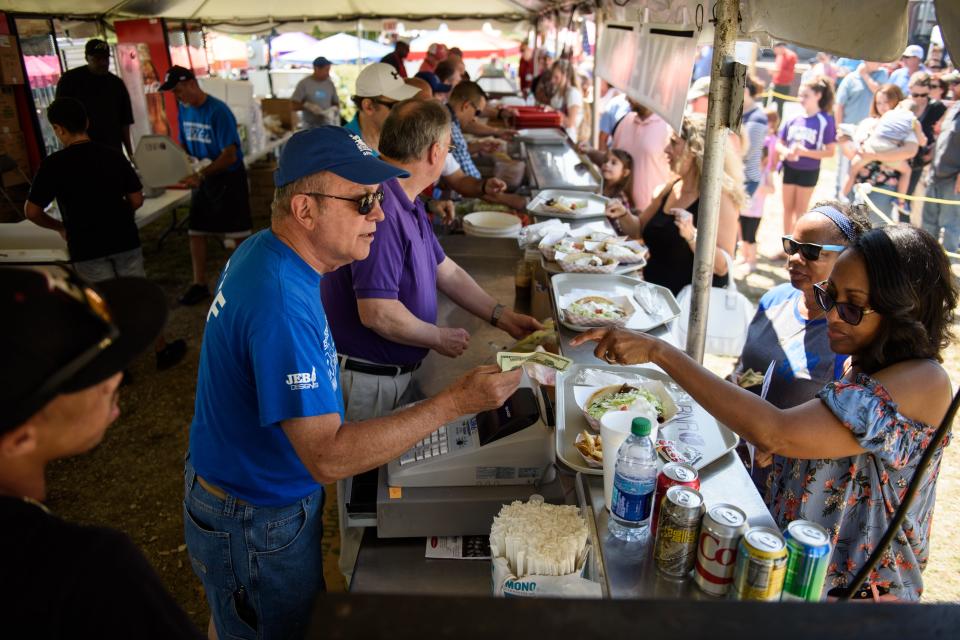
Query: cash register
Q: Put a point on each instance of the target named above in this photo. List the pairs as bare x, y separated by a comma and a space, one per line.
456, 479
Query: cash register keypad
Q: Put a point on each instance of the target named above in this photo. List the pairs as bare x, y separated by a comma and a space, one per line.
433, 445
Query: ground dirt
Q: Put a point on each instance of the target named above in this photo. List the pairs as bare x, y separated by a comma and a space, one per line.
133, 480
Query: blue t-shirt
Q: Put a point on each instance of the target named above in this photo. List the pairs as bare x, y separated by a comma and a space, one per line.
354, 127
615, 109
267, 356
207, 130
402, 265
855, 96
901, 78
804, 361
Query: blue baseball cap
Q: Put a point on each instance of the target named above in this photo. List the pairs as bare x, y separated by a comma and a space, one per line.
332, 149
434, 81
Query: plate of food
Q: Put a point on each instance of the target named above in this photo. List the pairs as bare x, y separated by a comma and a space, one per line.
650, 396
630, 252
585, 263
590, 446
558, 203
589, 311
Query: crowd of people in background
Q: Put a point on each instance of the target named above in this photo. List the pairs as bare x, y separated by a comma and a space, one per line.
415, 145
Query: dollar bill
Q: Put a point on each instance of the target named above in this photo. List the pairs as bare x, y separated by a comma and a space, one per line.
508, 361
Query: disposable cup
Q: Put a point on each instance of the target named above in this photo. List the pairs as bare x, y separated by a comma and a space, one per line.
614, 429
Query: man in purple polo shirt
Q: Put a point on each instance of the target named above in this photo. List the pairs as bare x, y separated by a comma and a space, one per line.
383, 310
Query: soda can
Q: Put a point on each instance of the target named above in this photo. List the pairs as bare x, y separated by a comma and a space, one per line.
720, 531
672, 475
761, 565
675, 547
808, 556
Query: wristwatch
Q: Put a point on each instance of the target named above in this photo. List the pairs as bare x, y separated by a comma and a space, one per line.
497, 312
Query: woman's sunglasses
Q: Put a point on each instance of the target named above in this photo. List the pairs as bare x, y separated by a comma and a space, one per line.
364, 203
849, 313
808, 250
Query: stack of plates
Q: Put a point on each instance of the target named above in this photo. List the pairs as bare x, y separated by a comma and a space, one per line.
491, 224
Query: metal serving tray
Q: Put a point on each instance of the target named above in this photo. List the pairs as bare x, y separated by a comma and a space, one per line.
596, 204
614, 285
692, 426
542, 136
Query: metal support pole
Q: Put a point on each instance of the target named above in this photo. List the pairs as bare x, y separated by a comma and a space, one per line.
595, 125
724, 41
359, 44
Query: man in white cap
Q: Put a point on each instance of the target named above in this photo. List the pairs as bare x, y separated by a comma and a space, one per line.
379, 87
911, 61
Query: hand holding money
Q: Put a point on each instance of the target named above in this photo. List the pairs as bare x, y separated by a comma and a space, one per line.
508, 361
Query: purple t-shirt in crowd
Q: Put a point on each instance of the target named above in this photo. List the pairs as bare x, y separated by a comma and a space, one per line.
402, 265
814, 132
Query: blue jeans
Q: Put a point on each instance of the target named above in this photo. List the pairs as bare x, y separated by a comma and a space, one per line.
884, 203
946, 216
261, 567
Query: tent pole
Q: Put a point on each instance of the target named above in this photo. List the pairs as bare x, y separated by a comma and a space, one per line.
724, 42
359, 45
595, 125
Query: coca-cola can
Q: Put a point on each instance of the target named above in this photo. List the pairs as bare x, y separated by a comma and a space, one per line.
720, 531
673, 474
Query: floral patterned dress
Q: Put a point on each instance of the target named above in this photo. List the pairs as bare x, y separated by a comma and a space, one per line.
856, 498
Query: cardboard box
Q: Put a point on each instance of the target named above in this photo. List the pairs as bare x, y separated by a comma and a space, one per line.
8, 111
11, 69
14, 145
282, 108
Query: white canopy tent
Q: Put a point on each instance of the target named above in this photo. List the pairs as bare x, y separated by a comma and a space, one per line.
866, 29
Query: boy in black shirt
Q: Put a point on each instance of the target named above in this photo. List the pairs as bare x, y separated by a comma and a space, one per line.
97, 192
64, 344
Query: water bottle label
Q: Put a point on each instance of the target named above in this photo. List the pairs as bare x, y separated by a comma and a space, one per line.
632, 500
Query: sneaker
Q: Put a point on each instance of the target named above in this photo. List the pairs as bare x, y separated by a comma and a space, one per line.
171, 354
196, 293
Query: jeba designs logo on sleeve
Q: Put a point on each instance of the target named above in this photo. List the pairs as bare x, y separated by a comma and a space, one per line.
298, 381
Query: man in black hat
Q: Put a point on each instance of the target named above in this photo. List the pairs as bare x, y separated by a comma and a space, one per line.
64, 344
316, 96
220, 205
103, 95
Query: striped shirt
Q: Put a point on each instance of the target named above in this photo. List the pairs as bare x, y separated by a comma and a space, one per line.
460, 151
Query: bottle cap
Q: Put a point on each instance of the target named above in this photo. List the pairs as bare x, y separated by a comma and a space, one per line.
640, 427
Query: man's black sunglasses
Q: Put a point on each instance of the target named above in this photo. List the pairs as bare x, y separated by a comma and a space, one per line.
365, 203
808, 250
848, 312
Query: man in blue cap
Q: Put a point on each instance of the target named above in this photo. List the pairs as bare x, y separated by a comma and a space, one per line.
268, 427
316, 96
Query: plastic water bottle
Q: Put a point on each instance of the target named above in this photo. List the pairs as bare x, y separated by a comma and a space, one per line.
634, 483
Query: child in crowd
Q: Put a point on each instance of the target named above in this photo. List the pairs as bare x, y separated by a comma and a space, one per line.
97, 192
750, 217
617, 172
893, 129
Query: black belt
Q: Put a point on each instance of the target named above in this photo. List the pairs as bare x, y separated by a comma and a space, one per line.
392, 370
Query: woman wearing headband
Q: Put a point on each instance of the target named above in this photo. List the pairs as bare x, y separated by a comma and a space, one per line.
790, 329
843, 460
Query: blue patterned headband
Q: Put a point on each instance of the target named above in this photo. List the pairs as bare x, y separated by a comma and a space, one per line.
842, 221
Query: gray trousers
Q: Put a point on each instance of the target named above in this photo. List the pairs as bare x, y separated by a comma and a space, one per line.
366, 396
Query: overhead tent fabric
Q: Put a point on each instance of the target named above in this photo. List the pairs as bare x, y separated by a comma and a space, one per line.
342, 48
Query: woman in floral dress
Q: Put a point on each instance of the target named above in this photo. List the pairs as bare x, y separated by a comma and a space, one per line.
844, 460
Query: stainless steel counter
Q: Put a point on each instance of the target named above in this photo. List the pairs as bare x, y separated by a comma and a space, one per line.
555, 166
399, 566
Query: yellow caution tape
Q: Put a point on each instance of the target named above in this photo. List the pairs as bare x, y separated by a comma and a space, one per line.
864, 190
916, 198
777, 94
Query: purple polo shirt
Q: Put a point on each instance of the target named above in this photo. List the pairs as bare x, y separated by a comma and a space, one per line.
813, 132
402, 265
